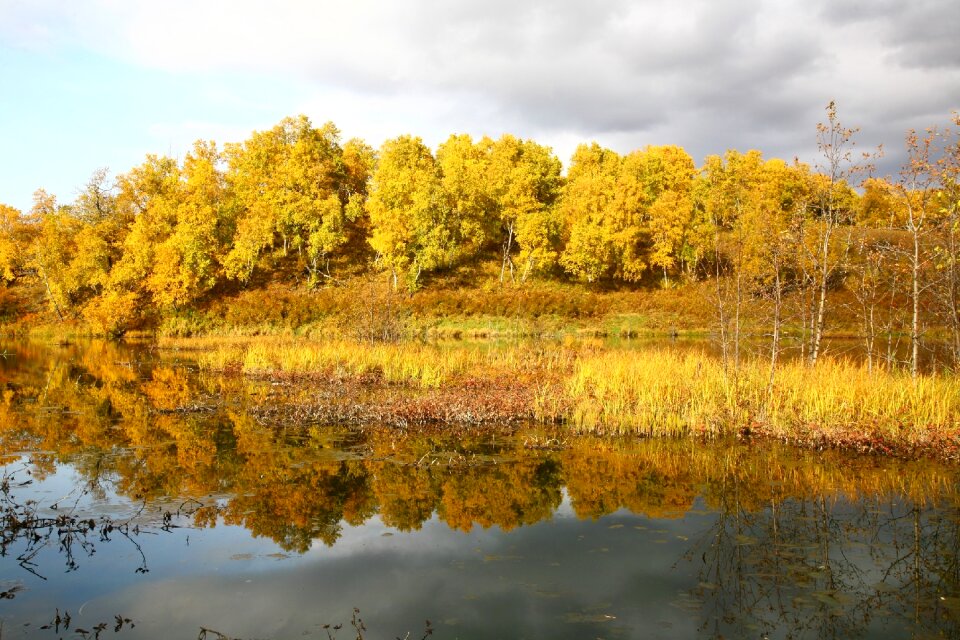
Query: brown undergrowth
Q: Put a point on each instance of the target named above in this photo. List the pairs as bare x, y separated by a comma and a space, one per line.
367, 400
934, 445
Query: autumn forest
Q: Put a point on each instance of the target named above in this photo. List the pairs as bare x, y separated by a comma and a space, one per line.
767, 244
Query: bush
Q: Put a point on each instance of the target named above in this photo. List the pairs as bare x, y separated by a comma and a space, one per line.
375, 314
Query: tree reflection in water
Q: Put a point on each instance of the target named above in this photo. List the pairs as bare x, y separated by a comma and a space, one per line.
801, 544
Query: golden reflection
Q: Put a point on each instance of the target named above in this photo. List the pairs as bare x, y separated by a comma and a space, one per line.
155, 430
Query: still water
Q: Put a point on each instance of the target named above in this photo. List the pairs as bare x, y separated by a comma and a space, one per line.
179, 512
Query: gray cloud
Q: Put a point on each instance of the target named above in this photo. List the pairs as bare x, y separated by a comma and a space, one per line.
922, 33
707, 75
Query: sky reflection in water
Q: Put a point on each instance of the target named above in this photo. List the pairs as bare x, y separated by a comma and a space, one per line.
283, 531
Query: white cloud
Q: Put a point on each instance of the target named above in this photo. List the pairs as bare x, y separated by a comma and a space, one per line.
701, 73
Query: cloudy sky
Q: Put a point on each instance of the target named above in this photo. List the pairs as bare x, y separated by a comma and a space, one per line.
92, 83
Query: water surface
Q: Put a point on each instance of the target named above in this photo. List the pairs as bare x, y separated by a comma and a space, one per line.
259, 531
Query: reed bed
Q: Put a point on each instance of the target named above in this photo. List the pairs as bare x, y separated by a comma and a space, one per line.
665, 393
421, 365
654, 393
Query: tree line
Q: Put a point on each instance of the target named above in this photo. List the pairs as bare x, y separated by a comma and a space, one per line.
297, 201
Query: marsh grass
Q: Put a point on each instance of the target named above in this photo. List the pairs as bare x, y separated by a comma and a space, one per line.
665, 393
426, 365
657, 394
594, 388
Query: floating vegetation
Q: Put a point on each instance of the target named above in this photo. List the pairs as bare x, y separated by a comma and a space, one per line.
356, 622
62, 622
26, 531
359, 628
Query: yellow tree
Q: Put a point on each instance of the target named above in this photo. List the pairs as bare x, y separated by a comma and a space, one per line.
291, 188
148, 195
502, 192
625, 215
186, 262
98, 240
359, 161
12, 251
524, 181
51, 249
782, 193
916, 192
732, 204
878, 204
464, 168
594, 235
411, 225
656, 208
946, 252
877, 262
835, 143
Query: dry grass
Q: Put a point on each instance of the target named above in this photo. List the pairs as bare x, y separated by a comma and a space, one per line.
650, 392
665, 393
426, 365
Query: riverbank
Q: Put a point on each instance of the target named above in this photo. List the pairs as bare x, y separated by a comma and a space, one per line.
461, 304
359, 307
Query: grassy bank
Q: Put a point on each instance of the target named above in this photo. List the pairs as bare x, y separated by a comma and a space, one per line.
461, 303
590, 388
453, 306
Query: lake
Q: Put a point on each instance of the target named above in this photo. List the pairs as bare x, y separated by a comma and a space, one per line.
146, 500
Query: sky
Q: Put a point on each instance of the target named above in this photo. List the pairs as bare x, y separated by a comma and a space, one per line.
86, 84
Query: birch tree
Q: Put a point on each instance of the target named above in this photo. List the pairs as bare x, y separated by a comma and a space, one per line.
835, 143
410, 219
